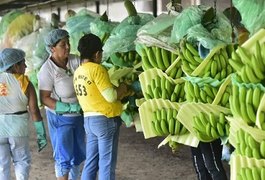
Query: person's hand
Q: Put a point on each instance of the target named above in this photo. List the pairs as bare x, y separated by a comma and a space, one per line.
122, 90
62, 107
41, 135
75, 108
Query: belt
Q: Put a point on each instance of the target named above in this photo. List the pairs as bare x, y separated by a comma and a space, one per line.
16, 113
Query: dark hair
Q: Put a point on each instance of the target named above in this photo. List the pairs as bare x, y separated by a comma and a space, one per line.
88, 45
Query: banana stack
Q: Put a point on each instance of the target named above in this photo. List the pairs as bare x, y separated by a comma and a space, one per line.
251, 173
160, 87
210, 126
244, 102
190, 57
164, 123
156, 57
217, 66
249, 65
246, 145
125, 59
204, 94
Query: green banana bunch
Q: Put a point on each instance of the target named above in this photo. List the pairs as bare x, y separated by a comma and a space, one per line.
160, 87
244, 103
249, 65
251, 173
128, 59
209, 126
248, 146
156, 57
189, 56
205, 94
165, 122
218, 66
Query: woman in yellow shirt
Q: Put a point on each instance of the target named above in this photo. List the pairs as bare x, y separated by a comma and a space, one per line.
102, 107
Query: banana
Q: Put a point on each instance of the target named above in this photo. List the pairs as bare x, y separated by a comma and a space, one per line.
255, 173
251, 142
158, 128
173, 72
262, 148
175, 113
150, 91
158, 115
198, 59
214, 134
212, 119
192, 49
158, 80
169, 113
164, 126
248, 152
262, 173
177, 127
225, 99
223, 74
203, 96
220, 129
213, 68
227, 129
223, 60
258, 68
251, 75
256, 154
168, 86
159, 59
243, 75
189, 57
197, 124
235, 56
222, 119
177, 89
153, 84
242, 172
179, 73
258, 55
203, 118
151, 56
256, 97
250, 110
244, 55
165, 57
154, 129
208, 130
146, 64
183, 130
173, 57
236, 65
196, 90
171, 126
208, 89
163, 114
218, 62
244, 114
242, 94
157, 92
173, 97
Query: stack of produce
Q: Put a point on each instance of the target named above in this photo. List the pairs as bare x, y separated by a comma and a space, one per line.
119, 54
78, 25
247, 105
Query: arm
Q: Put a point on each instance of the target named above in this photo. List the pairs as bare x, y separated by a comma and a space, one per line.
36, 117
45, 97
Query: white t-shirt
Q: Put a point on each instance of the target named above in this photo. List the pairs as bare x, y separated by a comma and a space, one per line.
58, 80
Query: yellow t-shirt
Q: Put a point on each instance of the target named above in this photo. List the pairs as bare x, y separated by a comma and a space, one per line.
90, 79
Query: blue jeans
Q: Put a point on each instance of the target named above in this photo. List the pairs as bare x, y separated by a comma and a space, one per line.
101, 147
207, 161
16, 148
67, 136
